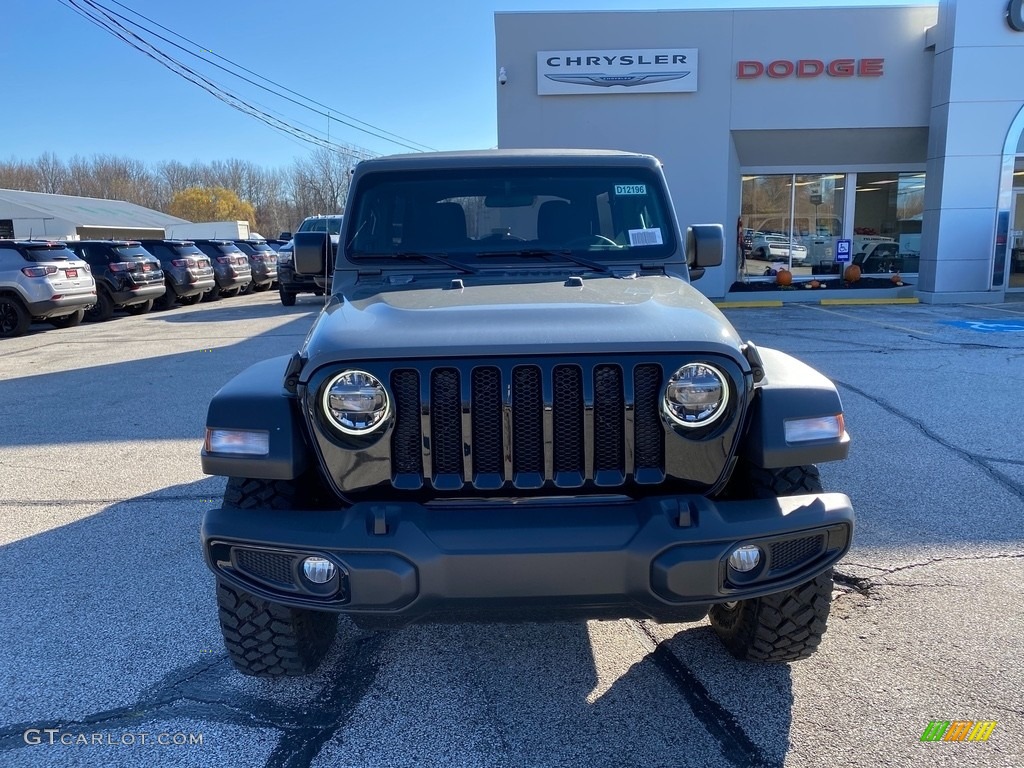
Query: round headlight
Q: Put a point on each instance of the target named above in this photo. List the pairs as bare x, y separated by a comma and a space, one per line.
356, 402
696, 395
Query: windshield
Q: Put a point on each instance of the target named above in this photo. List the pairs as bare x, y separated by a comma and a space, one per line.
512, 214
333, 226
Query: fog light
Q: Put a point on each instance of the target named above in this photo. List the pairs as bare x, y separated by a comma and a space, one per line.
745, 558
318, 570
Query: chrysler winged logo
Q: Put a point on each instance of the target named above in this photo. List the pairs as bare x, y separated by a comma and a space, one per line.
601, 80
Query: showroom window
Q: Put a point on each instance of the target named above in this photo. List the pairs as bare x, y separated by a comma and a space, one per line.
888, 213
793, 221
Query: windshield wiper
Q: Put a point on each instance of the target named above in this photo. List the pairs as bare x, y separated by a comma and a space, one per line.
547, 253
438, 257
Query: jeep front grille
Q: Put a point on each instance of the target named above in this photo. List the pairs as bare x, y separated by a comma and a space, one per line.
527, 425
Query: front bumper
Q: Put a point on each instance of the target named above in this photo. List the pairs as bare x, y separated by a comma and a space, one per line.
663, 558
290, 280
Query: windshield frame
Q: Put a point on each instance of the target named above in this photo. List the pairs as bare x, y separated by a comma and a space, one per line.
593, 184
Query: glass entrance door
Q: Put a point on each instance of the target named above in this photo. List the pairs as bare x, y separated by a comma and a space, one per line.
1016, 242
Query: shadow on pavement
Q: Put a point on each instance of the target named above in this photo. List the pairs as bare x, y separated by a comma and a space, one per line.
115, 631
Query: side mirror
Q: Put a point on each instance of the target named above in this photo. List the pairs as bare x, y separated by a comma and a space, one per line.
285, 236
310, 252
705, 247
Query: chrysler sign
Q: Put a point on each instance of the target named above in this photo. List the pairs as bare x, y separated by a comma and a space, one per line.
648, 70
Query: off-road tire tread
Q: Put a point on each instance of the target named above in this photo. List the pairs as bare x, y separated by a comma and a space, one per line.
265, 639
287, 298
786, 626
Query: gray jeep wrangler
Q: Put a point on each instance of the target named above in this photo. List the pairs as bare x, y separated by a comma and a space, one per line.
516, 407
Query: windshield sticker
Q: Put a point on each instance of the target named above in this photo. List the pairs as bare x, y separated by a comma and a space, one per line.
630, 189
645, 236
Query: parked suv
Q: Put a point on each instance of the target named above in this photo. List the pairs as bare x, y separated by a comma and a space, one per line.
230, 267
187, 271
41, 280
127, 276
514, 406
262, 261
291, 282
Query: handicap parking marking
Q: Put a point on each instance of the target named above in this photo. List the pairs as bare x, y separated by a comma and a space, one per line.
988, 326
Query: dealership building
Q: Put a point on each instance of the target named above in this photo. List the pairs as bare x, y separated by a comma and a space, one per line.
889, 137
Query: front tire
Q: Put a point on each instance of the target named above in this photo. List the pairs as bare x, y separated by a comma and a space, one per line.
139, 309
166, 300
262, 638
265, 639
785, 626
102, 310
68, 321
287, 298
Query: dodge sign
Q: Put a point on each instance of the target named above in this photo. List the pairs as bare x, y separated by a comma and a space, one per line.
650, 70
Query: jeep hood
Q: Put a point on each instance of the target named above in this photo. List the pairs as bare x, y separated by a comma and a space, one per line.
607, 315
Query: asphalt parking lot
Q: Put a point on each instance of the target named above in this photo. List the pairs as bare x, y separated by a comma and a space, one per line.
109, 628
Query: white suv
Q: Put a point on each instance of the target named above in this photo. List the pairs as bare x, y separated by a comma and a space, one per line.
772, 247
42, 281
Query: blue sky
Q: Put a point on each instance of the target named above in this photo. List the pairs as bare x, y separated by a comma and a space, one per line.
76, 89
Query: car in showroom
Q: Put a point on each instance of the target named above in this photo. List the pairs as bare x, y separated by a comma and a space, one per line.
188, 273
127, 276
772, 247
515, 406
42, 281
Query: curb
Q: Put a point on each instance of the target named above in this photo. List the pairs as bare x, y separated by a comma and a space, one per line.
819, 302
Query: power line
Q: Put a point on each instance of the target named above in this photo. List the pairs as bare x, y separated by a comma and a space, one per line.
404, 140
233, 100
331, 114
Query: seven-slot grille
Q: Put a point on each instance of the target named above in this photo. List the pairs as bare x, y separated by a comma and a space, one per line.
527, 425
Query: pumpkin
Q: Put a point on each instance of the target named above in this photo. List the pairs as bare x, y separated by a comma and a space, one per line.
896, 279
852, 274
784, 277
815, 284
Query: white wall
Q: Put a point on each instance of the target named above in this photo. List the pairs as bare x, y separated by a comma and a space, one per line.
691, 132
29, 222
978, 91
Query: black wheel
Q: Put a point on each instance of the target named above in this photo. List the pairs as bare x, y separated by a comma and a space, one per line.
262, 638
261, 287
785, 626
188, 301
139, 309
68, 321
166, 300
213, 294
230, 293
14, 318
760, 254
287, 297
247, 288
102, 310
